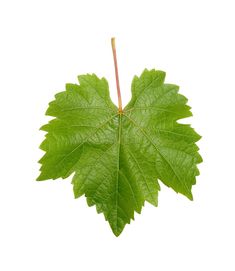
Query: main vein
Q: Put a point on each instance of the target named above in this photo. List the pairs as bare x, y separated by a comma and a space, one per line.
118, 164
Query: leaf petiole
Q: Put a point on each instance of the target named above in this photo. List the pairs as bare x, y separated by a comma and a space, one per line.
116, 75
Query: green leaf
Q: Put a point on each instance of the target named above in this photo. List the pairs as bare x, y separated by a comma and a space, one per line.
119, 158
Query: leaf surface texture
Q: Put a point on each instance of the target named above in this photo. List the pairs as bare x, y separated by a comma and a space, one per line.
117, 158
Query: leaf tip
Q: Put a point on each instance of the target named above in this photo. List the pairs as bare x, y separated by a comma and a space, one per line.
190, 196
40, 178
117, 233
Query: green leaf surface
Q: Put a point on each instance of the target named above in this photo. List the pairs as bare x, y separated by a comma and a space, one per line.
118, 158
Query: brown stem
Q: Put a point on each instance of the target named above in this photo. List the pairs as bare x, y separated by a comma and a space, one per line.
116, 74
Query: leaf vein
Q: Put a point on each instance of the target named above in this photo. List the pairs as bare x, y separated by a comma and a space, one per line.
163, 156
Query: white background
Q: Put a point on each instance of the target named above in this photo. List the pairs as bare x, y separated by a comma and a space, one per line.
43, 45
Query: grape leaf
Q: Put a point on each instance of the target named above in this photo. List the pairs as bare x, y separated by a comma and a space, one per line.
117, 157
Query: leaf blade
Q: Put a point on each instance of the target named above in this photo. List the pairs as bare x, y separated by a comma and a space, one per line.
118, 157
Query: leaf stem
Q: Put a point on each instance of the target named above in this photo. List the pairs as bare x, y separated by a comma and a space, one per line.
116, 75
